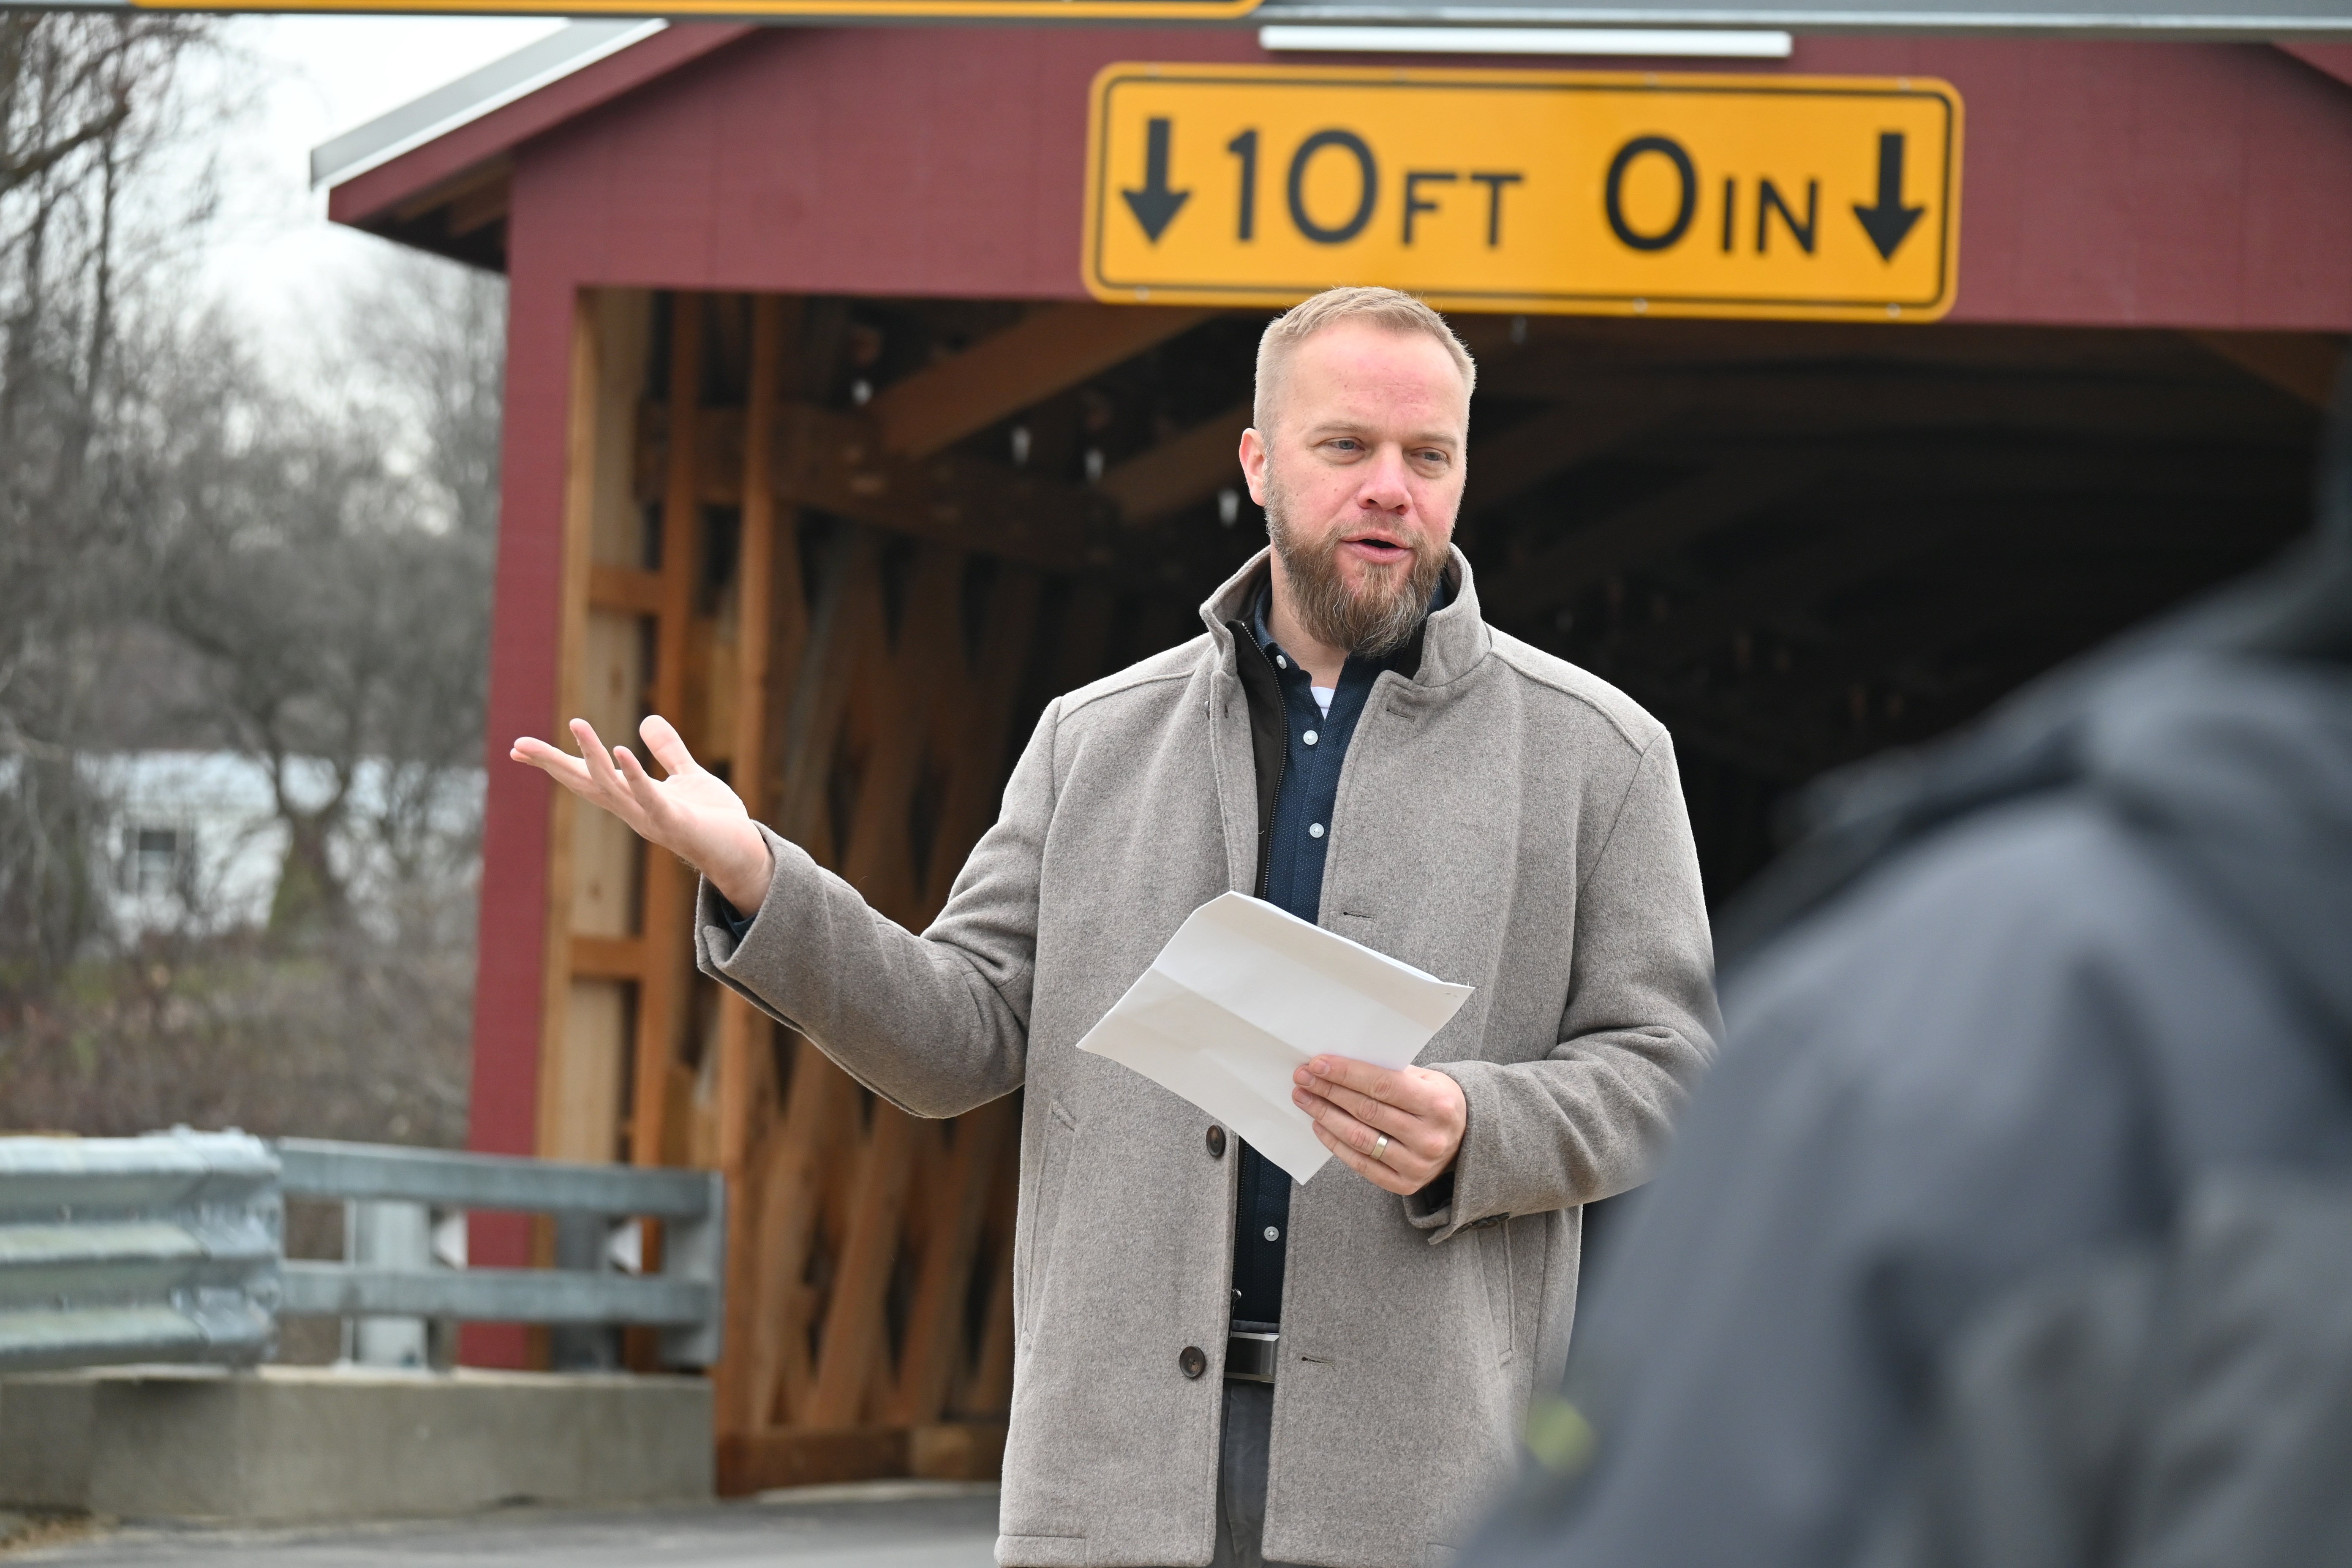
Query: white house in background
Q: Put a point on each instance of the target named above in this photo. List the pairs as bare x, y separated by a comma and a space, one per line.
198, 842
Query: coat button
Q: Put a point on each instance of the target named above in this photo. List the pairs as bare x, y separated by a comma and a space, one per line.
1216, 1142
1192, 1362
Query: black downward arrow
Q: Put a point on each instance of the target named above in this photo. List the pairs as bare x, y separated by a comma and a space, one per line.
1155, 206
1890, 220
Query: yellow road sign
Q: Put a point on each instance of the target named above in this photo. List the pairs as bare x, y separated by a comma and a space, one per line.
1528, 191
753, 10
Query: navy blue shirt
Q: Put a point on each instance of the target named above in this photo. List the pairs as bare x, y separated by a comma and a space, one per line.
1292, 880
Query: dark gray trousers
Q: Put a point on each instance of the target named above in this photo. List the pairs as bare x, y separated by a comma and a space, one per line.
1241, 1477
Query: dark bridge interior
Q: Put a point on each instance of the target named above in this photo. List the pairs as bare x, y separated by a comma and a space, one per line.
1796, 544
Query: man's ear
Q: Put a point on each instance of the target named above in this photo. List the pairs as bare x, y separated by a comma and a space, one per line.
1255, 456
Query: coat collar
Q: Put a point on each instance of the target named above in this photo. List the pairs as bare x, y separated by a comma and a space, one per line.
1452, 641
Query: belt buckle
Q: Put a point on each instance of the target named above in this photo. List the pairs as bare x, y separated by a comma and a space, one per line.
1250, 1355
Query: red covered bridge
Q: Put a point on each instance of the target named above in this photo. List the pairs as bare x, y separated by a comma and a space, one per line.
816, 442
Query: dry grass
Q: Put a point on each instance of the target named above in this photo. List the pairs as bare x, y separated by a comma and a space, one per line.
358, 1038
21, 1531
360, 1041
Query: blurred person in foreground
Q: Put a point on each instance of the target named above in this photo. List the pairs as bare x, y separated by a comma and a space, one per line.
2015, 1226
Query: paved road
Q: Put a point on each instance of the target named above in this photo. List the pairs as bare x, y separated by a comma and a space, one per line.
872, 1528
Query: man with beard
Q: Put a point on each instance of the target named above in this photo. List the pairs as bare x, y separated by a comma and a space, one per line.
1212, 1363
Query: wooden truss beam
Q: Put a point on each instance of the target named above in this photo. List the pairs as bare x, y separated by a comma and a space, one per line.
483, 183
1830, 704
1938, 469
838, 463
1714, 498
868, 712
828, 460
1791, 725
743, 1034
1053, 349
1553, 347
1816, 399
1745, 483
1781, 590
1506, 467
1182, 471
1783, 584
2303, 365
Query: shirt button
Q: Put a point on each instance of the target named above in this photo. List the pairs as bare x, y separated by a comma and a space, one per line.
1309, 737
1280, 662
1192, 1362
1313, 830
1272, 1234
1216, 1142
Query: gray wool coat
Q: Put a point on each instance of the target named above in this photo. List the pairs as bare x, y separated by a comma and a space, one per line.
1504, 819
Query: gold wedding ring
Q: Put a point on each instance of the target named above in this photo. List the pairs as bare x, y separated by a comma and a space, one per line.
1381, 1147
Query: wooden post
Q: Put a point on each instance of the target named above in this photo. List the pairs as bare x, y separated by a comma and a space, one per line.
668, 889
743, 1033
594, 942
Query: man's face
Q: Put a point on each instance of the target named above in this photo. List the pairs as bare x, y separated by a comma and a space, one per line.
1360, 477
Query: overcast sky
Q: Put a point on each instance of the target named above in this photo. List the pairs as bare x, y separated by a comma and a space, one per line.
276, 258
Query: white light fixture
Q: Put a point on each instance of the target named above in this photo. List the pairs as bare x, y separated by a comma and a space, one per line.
1653, 42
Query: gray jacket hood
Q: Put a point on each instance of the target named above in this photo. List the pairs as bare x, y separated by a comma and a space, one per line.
2241, 768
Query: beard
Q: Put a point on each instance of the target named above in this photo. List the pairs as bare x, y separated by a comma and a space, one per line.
1371, 620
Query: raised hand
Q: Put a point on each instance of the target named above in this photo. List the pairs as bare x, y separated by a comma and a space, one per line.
691, 813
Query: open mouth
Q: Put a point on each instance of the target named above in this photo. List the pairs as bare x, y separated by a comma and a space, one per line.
1378, 547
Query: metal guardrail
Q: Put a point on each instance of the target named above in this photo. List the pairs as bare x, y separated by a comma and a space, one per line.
171, 1246
158, 1248
683, 1300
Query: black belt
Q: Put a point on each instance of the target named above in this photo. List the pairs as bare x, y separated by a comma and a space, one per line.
1250, 1356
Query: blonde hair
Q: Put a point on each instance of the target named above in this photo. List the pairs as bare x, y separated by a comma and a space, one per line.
1389, 309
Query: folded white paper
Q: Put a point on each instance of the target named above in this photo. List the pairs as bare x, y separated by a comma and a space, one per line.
1245, 993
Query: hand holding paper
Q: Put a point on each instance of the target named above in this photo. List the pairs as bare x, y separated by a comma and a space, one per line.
1398, 1128
1243, 996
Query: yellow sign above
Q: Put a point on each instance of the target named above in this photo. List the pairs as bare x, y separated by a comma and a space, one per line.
1562, 192
755, 10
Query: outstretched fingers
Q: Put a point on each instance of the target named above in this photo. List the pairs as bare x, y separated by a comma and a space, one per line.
612, 778
605, 785
666, 747
556, 763
607, 789
637, 786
